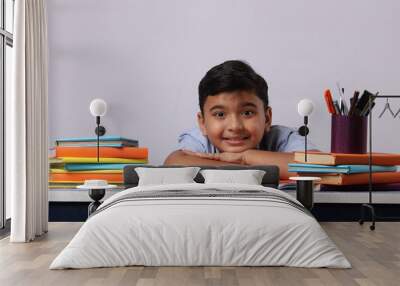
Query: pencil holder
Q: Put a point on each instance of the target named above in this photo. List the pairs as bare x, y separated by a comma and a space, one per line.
349, 134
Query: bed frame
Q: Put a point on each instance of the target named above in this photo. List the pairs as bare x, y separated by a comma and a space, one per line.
270, 179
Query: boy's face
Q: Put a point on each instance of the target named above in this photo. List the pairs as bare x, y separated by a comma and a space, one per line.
234, 121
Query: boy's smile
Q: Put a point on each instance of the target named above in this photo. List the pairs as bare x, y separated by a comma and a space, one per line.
234, 121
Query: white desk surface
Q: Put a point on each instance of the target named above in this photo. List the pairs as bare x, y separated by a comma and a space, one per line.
386, 197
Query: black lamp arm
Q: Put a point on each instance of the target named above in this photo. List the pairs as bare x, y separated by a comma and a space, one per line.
100, 131
303, 131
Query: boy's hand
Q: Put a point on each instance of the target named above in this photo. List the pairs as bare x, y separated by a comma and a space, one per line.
225, 156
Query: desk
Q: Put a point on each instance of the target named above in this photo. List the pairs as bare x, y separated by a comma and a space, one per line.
71, 205
75, 195
382, 197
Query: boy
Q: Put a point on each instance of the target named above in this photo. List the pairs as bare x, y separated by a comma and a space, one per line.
235, 124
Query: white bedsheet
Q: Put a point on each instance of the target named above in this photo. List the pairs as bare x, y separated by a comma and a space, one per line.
200, 231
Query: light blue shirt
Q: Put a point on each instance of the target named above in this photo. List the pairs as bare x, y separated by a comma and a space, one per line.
279, 139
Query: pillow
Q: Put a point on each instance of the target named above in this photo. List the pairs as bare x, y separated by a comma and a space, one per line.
248, 177
162, 176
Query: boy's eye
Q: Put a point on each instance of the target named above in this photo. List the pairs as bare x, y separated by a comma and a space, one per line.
248, 113
219, 114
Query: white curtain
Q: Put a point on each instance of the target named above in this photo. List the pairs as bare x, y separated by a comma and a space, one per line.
28, 148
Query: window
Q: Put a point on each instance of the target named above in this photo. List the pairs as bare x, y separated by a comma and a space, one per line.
6, 60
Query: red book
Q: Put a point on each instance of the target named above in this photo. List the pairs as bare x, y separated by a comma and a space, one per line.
383, 159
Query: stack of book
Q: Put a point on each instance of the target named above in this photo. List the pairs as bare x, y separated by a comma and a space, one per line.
75, 160
348, 169
287, 185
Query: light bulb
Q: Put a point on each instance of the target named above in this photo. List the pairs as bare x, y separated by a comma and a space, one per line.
98, 107
305, 107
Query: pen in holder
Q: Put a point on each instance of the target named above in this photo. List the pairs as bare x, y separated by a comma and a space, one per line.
349, 134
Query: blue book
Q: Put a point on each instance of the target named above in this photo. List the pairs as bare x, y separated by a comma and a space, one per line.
339, 169
105, 141
95, 166
94, 144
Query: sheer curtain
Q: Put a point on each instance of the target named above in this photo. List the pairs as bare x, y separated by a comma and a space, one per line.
28, 135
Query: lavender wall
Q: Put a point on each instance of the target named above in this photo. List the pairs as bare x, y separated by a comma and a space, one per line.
145, 58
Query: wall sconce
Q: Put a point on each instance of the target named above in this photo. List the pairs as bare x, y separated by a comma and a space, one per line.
98, 108
305, 108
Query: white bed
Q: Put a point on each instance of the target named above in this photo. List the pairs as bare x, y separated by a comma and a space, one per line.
225, 225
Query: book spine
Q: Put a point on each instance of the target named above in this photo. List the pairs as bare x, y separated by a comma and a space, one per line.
91, 160
104, 152
93, 166
82, 177
94, 139
382, 159
363, 178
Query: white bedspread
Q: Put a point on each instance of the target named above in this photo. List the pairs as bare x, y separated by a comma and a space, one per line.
177, 231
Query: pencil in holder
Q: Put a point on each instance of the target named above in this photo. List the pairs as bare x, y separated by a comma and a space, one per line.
349, 134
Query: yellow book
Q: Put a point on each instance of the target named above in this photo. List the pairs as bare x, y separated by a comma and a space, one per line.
101, 160
54, 160
63, 186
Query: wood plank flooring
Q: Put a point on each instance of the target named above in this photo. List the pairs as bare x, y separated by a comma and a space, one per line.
374, 255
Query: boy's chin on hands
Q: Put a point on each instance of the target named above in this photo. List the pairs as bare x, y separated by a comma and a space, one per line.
235, 144
231, 149
229, 157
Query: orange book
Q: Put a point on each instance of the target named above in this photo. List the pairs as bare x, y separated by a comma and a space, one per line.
383, 159
80, 177
359, 179
106, 152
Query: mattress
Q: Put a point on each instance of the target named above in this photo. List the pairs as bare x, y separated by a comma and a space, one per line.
201, 225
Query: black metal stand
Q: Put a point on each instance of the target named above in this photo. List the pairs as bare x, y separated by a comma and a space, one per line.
96, 195
305, 193
305, 138
369, 206
98, 137
100, 131
303, 131
304, 188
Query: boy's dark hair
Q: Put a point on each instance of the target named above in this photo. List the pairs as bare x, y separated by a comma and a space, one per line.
232, 76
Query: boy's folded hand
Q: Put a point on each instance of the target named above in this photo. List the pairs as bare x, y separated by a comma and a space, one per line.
225, 156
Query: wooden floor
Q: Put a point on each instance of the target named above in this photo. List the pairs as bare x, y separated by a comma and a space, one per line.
374, 255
